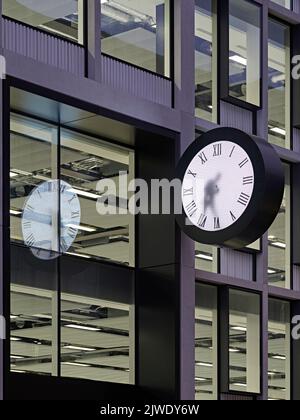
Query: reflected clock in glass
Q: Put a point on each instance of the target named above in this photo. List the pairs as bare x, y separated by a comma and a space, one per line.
51, 218
232, 188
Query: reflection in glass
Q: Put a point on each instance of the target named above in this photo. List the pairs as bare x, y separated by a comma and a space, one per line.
206, 258
64, 18
279, 264
33, 145
137, 31
96, 338
33, 328
244, 51
279, 350
279, 84
244, 341
84, 162
206, 342
284, 3
52, 194
205, 60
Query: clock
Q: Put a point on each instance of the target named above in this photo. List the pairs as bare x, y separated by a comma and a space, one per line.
232, 188
52, 211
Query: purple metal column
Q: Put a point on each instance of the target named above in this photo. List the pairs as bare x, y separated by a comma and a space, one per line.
184, 65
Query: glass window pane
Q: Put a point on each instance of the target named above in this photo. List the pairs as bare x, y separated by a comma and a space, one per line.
284, 3
97, 323
244, 51
33, 149
279, 261
206, 342
205, 60
64, 18
51, 285
84, 162
206, 258
137, 31
279, 84
279, 350
244, 341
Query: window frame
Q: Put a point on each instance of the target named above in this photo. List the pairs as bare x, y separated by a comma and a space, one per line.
223, 58
136, 66
223, 337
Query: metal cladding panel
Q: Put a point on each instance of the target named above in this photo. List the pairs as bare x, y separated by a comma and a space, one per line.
236, 117
136, 81
43, 47
296, 6
237, 264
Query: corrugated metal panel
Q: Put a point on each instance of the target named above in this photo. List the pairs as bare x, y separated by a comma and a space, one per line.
296, 6
237, 264
296, 278
236, 117
236, 397
296, 140
43, 47
136, 81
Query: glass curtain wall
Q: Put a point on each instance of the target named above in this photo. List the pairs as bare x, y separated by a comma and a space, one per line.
279, 238
279, 350
206, 59
244, 341
206, 332
284, 3
244, 51
206, 258
138, 32
279, 84
64, 18
86, 329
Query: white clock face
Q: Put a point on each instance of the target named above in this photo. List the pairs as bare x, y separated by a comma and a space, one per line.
218, 186
40, 225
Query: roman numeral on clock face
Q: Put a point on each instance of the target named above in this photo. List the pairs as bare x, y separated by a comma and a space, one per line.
192, 173
203, 158
244, 199
30, 240
188, 191
248, 180
191, 209
202, 221
232, 150
75, 214
217, 223
217, 150
72, 232
243, 163
63, 245
27, 225
232, 216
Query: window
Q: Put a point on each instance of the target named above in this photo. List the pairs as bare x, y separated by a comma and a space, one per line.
64, 18
138, 32
206, 342
244, 341
70, 315
279, 84
245, 51
206, 59
206, 258
279, 260
284, 3
279, 350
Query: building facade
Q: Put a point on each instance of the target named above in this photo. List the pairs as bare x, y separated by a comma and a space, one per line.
134, 310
